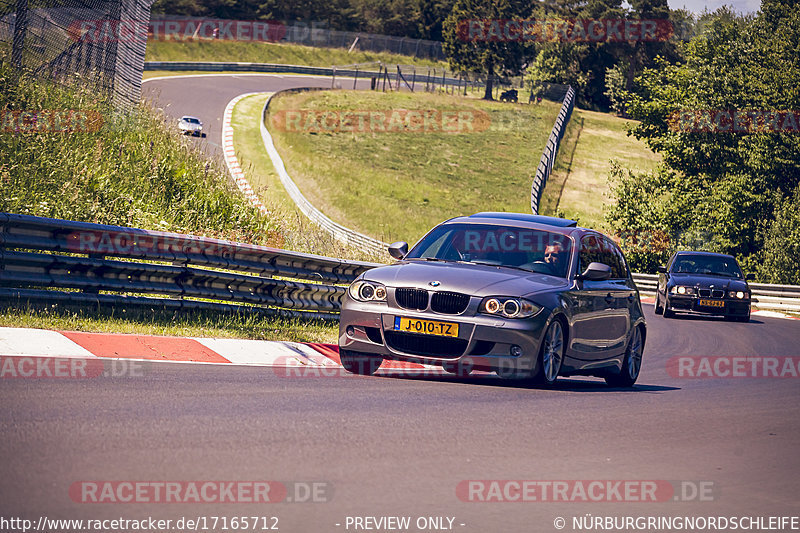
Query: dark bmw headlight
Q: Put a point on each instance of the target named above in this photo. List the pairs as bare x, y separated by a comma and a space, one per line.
367, 291
680, 289
508, 307
738, 294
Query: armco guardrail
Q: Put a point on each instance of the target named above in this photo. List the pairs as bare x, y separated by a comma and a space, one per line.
183, 66
96, 264
766, 296
551, 149
234, 275
340, 232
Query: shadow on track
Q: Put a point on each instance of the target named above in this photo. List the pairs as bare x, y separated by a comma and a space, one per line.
491, 380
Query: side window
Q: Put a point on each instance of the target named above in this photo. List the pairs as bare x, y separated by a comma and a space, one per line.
615, 260
591, 251
602, 250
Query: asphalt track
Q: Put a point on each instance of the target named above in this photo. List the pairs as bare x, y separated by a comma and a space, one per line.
400, 446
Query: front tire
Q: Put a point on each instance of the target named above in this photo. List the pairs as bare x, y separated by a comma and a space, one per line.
361, 364
551, 354
659, 309
631, 363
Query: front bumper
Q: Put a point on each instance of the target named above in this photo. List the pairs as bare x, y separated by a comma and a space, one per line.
483, 342
689, 304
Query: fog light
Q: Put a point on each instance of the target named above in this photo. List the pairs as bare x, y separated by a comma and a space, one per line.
516, 351
350, 331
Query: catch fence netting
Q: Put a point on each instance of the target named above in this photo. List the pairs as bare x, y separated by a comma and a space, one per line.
100, 41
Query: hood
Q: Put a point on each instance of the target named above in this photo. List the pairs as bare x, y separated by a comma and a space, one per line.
476, 280
702, 281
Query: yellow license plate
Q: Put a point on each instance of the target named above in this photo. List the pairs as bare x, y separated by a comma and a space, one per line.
711, 303
426, 327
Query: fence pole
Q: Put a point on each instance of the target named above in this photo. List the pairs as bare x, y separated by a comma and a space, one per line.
20, 29
355, 80
413, 77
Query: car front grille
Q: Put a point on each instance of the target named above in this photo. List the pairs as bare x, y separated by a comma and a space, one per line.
706, 293
451, 303
411, 298
429, 345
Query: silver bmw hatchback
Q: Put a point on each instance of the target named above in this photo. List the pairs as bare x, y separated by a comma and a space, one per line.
526, 296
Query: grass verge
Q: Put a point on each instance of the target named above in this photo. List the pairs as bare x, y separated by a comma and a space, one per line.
288, 54
578, 186
397, 185
216, 325
299, 232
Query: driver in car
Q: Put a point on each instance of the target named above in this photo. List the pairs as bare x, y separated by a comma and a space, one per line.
555, 259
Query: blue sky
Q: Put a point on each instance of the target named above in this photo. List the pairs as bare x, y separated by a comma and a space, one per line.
697, 6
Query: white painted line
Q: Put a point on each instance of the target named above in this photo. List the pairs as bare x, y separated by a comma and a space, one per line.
28, 342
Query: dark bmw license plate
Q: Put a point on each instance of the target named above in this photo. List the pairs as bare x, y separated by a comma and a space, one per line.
711, 303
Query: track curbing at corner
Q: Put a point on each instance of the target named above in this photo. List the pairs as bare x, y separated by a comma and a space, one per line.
40, 343
231, 161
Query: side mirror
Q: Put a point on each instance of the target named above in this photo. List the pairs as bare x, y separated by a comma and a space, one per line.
595, 272
661, 269
750, 277
398, 249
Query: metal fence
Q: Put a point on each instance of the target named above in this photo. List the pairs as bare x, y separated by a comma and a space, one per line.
551, 149
54, 38
99, 264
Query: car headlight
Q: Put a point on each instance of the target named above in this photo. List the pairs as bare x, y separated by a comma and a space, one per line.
508, 307
738, 294
367, 291
680, 289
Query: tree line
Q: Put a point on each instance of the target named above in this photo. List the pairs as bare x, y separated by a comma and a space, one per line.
417, 19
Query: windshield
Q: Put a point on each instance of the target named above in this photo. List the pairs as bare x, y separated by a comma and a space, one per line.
506, 246
190, 120
706, 264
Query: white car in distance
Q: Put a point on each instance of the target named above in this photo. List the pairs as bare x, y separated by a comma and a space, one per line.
191, 126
